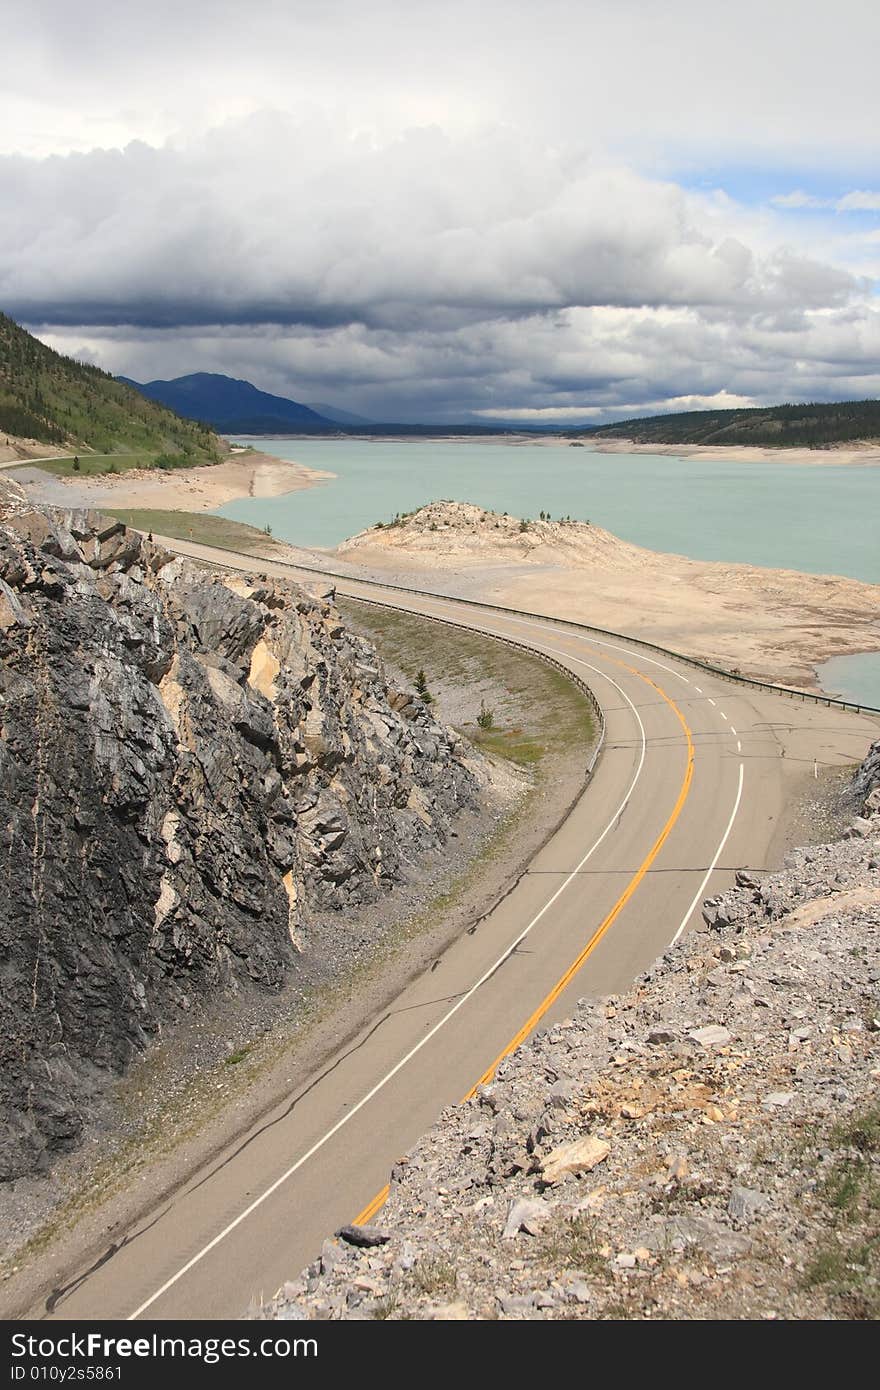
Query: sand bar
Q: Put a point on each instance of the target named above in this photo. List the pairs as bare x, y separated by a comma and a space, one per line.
186, 489
774, 624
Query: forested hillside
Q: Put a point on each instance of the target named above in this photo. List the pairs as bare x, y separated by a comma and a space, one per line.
55, 400
784, 426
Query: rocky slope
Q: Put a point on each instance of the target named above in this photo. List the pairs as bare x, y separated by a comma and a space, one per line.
195, 773
707, 1146
444, 534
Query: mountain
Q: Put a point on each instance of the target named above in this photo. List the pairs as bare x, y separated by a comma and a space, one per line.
236, 407
233, 406
55, 400
341, 417
782, 426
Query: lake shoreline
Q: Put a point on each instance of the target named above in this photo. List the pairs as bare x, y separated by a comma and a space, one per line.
250, 474
774, 620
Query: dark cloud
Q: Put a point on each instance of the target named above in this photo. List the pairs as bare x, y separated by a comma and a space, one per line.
426, 227
410, 207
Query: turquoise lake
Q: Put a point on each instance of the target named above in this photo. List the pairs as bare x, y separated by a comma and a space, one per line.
854, 678
820, 518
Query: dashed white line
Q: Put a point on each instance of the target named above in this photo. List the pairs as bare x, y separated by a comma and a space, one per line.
711, 869
711, 701
462, 999
698, 689
739, 747
733, 730
723, 715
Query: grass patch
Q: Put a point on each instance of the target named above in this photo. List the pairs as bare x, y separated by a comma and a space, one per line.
92, 465
846, 1264
540, 713
861, 1132
573, 1245
386, 1306
202, 528
433, 1275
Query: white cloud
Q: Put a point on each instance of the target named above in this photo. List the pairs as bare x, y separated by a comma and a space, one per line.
416, 208
860, 200
799, 199
319, 227
664, 80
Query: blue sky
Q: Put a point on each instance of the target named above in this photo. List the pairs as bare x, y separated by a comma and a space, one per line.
424, 210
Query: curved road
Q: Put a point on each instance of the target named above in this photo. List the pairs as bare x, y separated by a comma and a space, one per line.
690, 786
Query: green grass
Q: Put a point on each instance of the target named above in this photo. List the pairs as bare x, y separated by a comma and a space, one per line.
846, 1264
203, 528
572, 1245
546, 713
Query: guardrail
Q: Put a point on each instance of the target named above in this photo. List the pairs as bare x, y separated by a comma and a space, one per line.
750, 681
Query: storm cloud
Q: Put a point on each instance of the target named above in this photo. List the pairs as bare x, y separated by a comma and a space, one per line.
408, 212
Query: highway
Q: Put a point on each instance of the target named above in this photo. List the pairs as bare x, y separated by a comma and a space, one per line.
691, 783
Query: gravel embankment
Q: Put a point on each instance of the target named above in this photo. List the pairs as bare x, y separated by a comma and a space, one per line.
706, 1146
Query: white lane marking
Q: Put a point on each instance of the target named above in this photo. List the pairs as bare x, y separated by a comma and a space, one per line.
698, 689
733, 730
739, 747
711, 701
723, 715
463, 999
711, 869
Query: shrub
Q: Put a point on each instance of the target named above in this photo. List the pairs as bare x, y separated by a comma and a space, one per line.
486, 717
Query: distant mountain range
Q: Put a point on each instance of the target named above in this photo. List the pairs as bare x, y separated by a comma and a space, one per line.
233, 406
342, 417
780, 426
236, 407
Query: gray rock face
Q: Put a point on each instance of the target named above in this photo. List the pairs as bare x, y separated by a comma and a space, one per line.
193, 772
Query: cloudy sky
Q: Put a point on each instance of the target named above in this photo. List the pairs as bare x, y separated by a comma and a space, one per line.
443, 210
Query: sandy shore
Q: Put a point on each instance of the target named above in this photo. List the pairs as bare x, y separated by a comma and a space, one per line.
186, 489
865, 454
777, 625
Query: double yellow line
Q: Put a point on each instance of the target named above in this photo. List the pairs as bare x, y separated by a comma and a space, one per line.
607, 922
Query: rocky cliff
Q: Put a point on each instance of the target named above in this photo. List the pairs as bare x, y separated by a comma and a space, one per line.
706, 1146
195, 771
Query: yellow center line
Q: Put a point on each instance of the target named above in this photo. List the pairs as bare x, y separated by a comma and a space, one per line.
580, 960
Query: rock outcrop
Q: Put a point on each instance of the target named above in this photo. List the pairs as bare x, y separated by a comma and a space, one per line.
706, 1146
195, 771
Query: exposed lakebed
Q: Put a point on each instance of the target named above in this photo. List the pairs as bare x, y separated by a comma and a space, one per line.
816, 518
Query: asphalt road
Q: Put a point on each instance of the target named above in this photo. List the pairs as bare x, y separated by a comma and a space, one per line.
690, 786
